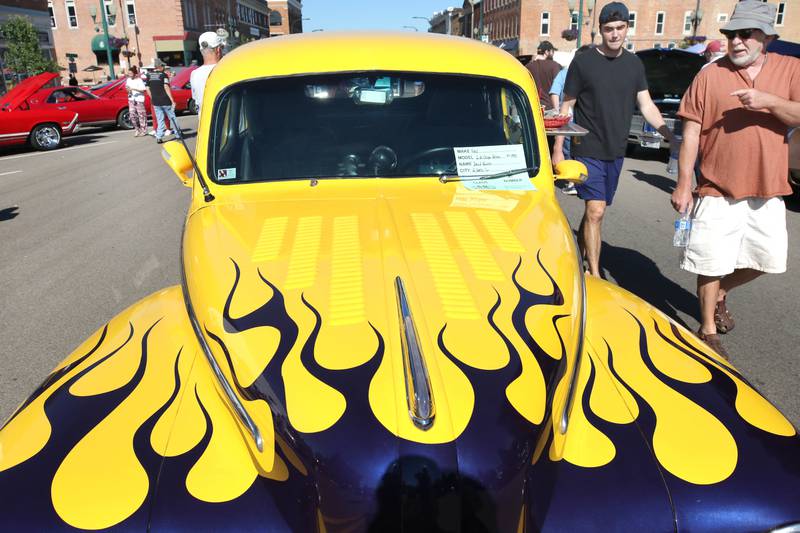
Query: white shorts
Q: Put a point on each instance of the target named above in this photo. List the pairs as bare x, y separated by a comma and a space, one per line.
732, 234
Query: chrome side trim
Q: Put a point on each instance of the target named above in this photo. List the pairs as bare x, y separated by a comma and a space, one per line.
20, 134
236, 405
419, 393
573, 382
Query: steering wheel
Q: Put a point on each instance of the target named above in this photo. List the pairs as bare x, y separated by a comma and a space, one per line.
413, 159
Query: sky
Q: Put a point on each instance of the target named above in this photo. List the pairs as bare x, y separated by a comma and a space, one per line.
371, 14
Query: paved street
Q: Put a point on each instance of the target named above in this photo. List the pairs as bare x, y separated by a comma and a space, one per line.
88, 230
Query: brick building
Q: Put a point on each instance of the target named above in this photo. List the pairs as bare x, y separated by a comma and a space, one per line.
151, 28
520, 25
285, 17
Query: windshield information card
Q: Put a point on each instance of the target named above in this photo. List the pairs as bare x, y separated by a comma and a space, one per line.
474, 162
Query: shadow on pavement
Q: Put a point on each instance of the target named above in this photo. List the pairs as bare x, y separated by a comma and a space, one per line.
638, 274
8, 213
659, 182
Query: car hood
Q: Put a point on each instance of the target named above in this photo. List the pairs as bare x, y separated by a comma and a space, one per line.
670, 72
296, 294
16, 96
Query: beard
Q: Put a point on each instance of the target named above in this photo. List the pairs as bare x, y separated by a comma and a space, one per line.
749, 59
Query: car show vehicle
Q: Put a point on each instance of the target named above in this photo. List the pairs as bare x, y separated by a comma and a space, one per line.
383, 325
92, 110
42, 129
669, 73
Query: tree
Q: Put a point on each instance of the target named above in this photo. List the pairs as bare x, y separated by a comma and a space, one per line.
23, 54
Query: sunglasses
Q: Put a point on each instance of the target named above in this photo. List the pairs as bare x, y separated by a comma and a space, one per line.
743, 34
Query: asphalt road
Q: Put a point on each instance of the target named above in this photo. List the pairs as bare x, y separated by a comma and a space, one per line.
88, 230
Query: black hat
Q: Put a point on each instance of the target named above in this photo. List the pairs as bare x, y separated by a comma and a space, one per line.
545, 46
614, 12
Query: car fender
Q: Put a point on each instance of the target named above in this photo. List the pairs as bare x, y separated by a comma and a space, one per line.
715, 438
134, 405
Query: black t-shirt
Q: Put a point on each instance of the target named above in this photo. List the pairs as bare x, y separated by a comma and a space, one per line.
156, 81
605, 89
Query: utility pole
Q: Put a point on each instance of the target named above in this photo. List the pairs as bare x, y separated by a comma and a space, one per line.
580, 23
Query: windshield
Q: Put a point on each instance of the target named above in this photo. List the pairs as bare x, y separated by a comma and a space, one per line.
361, 125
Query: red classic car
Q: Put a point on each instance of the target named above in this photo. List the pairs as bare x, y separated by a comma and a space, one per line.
92, 110
179, 85
42, 127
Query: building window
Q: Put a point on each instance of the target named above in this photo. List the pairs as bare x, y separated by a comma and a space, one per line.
130, 12
656, 45
573, 23
629, 46
107, 5
632, 23
545, 26
275, 18
722, 17
687, 22
52, 14
779, 16
72, 16
671, 45
660, 23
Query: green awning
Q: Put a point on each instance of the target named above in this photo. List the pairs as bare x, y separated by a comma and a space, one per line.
99, 43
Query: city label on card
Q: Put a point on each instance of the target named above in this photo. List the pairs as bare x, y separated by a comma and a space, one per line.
474, 162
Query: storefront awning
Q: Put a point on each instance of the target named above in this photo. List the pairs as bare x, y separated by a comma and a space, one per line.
169, 45
99, 43
509, 45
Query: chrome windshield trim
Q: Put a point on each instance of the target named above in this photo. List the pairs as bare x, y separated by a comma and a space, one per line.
573, 382
419, 393
234, 401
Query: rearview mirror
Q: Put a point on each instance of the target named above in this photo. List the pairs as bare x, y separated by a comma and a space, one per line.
178, 160
573, 171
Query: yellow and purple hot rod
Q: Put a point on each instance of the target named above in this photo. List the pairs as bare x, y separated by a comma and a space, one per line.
383, 325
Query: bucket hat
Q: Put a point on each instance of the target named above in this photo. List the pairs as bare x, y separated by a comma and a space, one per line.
752, 14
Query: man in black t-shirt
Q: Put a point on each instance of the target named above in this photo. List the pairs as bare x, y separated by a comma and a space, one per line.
162, 101
604, 84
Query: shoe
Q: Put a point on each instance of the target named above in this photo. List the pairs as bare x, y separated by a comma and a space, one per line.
152, 132
159, 140
570, 189
722, 318
136, 134
168, 132
713, 341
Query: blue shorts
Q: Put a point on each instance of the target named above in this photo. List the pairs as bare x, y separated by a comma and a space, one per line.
603, 179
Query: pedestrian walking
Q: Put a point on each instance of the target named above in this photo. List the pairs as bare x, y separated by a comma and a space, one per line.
162, 101
73, 81
603, 85
136, 111
211, 46
544, 71
739, 220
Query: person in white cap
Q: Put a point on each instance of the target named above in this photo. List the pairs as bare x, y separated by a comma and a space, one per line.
211, 45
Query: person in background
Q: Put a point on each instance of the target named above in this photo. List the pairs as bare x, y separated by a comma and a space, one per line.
736, 115
713, 52
544, 71
211, 45
136, 90
604, 85
556, 95
73, 81
162, 101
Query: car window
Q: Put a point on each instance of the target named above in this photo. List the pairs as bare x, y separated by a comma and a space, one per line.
361, 125
57, 96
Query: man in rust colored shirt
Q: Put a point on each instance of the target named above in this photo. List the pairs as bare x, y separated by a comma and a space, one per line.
544, 71
736, 115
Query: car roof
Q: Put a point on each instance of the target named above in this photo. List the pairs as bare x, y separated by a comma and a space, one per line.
328, 52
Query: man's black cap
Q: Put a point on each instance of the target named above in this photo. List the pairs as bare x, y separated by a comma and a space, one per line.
545, 46
614, 12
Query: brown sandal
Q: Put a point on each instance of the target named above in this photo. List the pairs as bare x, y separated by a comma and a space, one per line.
722, 317
712, 341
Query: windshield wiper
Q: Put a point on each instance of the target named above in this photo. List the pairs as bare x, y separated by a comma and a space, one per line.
444, 178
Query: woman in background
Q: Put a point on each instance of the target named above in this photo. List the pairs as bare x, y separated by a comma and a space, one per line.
136, 90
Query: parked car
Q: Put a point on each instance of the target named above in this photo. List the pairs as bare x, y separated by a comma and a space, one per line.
180, 86
669, 73
92, 110
383, 325
41, 128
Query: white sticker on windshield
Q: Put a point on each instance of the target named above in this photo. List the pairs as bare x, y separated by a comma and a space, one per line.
226, 174
474, 162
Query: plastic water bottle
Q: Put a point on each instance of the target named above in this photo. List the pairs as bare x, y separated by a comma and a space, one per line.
683, 226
